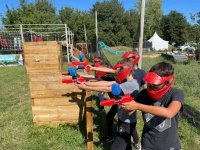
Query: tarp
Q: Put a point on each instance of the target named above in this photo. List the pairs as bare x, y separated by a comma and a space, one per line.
11, 59
157, 43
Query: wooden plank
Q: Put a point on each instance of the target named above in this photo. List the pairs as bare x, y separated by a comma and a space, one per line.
42, 60
62, 101
42, 50
53, 123
38, 66
41, 56
54, 93
40, 44
55, 117
89, 120
49, 85
46, 69
45, 76
72, 109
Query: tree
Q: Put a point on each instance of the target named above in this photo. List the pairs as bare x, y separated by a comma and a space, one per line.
173, 27
194, 30
75, 20
153, 15
112, 23
42, 12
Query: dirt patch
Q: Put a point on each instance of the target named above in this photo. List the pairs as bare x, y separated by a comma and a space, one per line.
122, 48
151, 56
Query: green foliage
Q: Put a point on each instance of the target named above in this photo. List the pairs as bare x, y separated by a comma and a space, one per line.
42, 12
173, 27
110, 15
75, 20
153, 14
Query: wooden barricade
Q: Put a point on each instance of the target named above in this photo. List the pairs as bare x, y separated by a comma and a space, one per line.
53, 102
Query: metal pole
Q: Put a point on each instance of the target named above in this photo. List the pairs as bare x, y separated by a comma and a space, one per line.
86, 39
72, 41
21, 32
142, 13
66, 35
71, 44
96, 30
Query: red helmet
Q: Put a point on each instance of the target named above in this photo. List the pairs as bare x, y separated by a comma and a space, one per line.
135, 56
154, 79
125, 70
96, 60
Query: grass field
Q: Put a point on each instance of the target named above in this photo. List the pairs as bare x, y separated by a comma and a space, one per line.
18, 132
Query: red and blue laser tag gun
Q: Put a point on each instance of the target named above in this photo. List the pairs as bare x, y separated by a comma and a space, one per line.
74, 79
116, 91
81, 65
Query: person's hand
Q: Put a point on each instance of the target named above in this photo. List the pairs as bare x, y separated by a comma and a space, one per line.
82, 86
130, 106
89, 66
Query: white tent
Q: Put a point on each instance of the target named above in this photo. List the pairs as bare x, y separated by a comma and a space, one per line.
157, 43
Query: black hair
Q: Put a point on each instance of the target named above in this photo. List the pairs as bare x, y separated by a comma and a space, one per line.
163, 69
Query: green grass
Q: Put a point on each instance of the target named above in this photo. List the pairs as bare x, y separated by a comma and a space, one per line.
18, 132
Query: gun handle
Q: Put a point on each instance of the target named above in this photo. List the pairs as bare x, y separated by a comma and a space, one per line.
80, 79
65, 73
87, 69
126, 98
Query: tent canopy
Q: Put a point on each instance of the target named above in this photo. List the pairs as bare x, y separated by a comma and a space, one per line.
158, 43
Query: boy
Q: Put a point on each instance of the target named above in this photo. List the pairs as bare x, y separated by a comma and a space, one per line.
161, 105
126, 124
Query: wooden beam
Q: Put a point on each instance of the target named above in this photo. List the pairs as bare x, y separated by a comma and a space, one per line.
89, 120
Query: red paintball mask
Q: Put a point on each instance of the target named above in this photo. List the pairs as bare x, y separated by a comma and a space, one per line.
97, 60
125, 70
157, 86
134, 56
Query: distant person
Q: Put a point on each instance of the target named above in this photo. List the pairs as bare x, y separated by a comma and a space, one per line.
80, 56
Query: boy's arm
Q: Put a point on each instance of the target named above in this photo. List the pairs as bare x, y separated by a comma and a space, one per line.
87, 76
100, 83
95, 88
167, 112
103, 69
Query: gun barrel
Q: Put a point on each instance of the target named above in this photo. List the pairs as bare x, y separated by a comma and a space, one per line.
67, 80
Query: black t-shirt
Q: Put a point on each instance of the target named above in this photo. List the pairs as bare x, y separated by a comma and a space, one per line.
139, 75
160, 133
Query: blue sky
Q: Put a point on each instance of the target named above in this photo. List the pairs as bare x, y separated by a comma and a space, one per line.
183, 6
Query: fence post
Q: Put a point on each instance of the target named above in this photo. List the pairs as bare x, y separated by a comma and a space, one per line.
66, 35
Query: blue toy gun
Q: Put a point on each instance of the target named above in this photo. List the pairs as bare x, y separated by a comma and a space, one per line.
74, 79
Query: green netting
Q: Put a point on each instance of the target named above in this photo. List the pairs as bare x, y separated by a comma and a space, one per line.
104, 47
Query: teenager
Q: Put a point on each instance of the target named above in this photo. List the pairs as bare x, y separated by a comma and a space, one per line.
161, 105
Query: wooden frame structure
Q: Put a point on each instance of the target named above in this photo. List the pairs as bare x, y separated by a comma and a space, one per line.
53, 102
